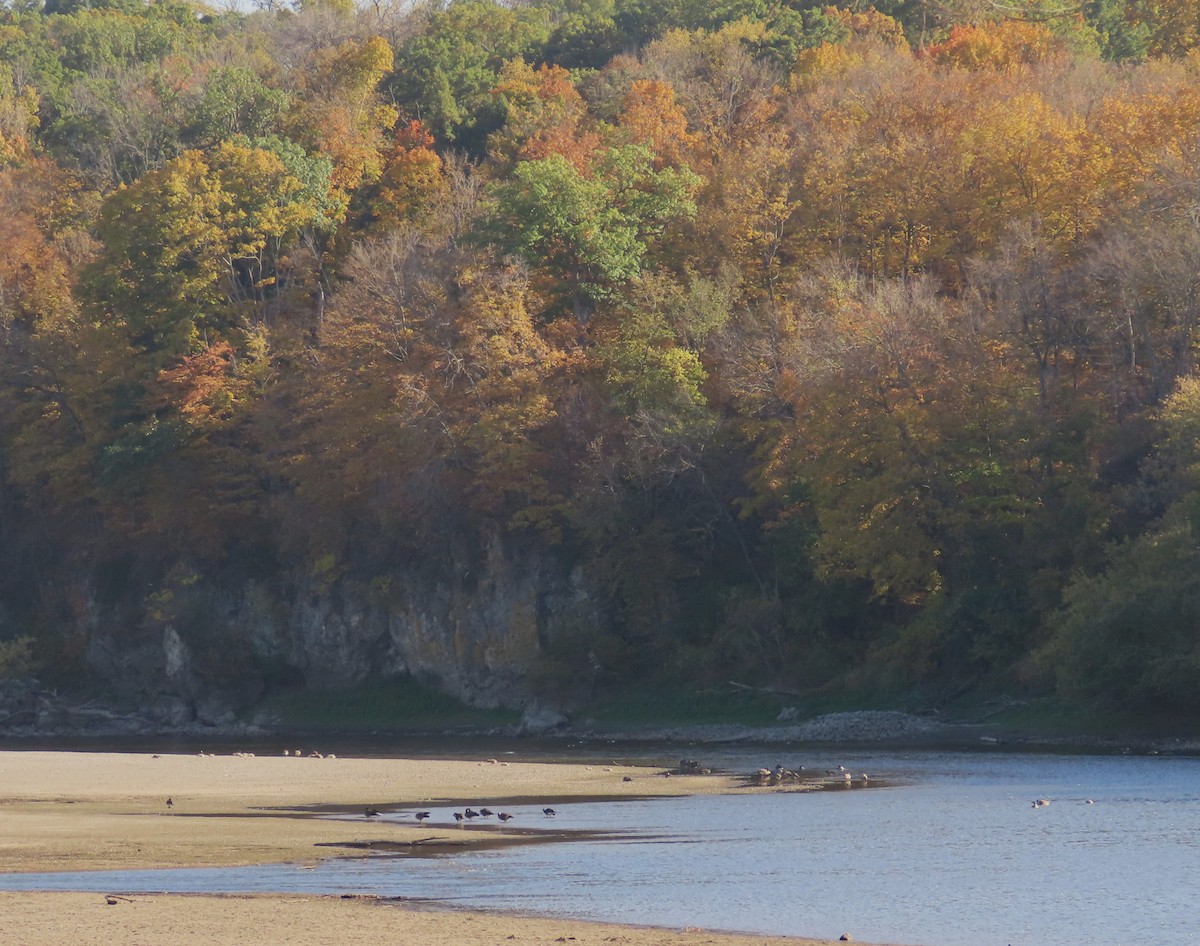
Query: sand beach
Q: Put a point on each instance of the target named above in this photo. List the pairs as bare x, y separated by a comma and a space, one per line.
74, 811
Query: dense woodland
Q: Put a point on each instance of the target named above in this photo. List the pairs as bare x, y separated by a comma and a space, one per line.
849, 346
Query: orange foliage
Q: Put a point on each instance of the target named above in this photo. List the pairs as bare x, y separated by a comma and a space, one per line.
545, 116
651, 116
412, 176
1002, 45
202, 387
344, 111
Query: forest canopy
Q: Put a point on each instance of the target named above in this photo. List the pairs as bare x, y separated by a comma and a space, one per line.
849, 345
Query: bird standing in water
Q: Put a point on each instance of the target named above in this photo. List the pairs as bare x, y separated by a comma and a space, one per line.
549, 812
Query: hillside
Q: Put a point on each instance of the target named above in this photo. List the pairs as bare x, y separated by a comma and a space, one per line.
550, 352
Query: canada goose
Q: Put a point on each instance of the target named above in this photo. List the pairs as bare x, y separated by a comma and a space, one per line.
170, 802
422, 815
458, 816
504, 816
549, 812
470, 813
371, 812
485, 812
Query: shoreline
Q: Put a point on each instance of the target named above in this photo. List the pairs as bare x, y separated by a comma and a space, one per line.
84, 919
77, 811
886, 729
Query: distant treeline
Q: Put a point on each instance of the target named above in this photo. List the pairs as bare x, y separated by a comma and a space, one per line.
849, 344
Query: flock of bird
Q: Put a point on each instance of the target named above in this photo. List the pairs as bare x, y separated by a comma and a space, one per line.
686, 767
780, 774
465, 816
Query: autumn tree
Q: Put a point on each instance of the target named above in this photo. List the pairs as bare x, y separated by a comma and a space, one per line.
921, 476
1001, 45
413, 177
1173, 26
18, 115
724, 88
45, 390
500, 389
344, 115
652, 116
543, 115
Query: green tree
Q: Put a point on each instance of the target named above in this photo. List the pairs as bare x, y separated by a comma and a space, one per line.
445, 73
188, 246
589, 235
236, 101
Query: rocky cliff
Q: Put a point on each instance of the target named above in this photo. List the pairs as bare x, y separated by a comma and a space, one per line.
201, 647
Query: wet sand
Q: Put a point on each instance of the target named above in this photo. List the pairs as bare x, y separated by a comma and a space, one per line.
81, 919
88, 811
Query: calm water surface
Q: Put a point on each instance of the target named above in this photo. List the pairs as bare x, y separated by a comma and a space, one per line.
941, 849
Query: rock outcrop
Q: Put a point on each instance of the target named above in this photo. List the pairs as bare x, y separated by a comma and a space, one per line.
473, 627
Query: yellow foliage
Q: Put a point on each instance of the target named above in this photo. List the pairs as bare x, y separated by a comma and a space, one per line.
501, 393
343, 113
869, 22
18, 116
1023, 155
821, 62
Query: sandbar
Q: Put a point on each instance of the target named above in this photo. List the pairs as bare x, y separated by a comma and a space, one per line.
74, 811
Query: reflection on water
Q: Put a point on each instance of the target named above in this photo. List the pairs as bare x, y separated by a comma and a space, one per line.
951, 851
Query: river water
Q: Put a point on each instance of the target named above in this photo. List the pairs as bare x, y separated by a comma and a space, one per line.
938, 849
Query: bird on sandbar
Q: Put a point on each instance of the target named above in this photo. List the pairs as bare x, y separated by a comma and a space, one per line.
170, 802
504, 816
471, 813
371, 812
458, 816
422, 815
485, 812
549, 812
